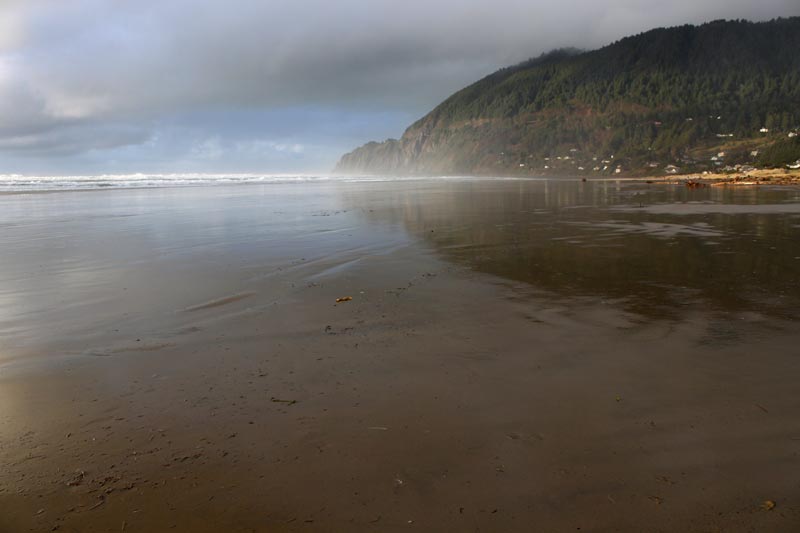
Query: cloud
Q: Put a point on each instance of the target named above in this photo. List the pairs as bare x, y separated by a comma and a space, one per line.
73, 139
91, 74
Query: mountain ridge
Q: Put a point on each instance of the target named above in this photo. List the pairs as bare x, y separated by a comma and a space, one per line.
656, 102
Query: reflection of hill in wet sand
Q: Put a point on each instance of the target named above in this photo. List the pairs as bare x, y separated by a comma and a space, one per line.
661, 248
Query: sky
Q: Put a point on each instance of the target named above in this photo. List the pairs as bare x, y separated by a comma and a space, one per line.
271, 86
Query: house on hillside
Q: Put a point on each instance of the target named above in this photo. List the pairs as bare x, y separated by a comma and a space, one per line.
671, 169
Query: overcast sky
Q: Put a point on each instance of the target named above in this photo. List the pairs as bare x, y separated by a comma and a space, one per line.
118, 86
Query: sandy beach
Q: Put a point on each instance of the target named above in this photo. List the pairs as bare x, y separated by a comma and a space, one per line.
516, 355
739, 178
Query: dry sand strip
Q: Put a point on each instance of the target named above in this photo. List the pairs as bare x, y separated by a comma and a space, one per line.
751, 177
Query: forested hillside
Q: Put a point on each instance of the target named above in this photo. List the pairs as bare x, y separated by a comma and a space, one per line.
678, 99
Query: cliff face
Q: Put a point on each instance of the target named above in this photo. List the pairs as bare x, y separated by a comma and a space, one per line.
374, 158
415, 152
679, 96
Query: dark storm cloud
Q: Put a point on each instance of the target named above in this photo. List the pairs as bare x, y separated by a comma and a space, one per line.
119, 69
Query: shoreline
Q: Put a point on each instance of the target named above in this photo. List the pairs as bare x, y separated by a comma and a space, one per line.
749, 178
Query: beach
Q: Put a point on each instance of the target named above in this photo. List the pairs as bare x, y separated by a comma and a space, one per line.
747, 177
400, 355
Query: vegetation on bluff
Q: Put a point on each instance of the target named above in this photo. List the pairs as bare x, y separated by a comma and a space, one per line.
696, 97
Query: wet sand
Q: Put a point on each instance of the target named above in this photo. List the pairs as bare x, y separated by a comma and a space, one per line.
189, 369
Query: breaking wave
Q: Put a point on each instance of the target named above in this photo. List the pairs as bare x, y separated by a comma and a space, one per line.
22, 183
